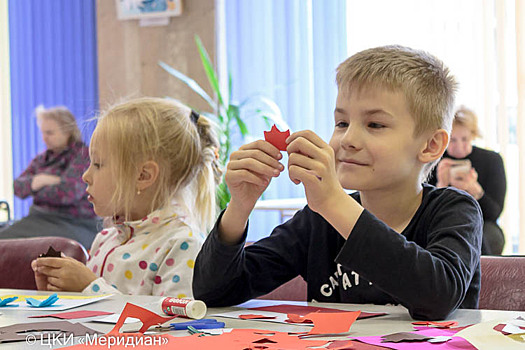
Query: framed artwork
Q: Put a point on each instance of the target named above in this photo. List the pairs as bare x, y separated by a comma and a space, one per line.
137, 9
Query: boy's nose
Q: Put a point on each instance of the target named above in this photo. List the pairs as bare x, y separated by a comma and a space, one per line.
352, 138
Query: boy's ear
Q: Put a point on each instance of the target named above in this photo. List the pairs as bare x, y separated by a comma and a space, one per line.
149, 172
434, 147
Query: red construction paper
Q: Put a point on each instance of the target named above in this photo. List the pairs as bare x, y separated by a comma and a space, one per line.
74, 314
442, 324
302, 310
147, 318
330, 323
277, 138
293, 318
255, 317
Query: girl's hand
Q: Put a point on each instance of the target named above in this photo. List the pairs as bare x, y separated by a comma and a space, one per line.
312, 163
250, 171
443, 172
62, 274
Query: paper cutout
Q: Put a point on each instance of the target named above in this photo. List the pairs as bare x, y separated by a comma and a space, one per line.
404, 337
302, 310
273, 317
113, 319
147, 318
277, 138
51, 253
255, 317
456, 343
74, 314
442, 324
482, 336
66, 301
293, 318
18, 332
331, 323
42, 303
6, 301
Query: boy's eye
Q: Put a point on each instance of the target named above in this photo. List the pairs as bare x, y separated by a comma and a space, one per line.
375, 125
341, 124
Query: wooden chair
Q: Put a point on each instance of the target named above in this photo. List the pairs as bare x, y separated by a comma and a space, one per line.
502, 283
16, 256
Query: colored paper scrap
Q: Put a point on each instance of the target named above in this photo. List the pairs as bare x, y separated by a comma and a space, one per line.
277, 138
456, 343
75, 314
332, 323
66, 301
303, 310
51, 253
6, 301
483, 337
18, 332
147, 318
42, 303
440, 324
404, 337
255, 317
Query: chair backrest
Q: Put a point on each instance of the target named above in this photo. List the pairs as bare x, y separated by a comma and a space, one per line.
502, 283
294, 289
16, 256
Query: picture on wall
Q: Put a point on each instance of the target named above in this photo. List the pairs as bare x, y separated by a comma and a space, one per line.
137, 9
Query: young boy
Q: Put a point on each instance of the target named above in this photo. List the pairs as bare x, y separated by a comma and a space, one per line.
394, 241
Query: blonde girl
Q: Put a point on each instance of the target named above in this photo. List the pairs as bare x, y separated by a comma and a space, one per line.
153, 171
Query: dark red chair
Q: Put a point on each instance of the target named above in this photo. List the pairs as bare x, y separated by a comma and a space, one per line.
16, 256
502, 283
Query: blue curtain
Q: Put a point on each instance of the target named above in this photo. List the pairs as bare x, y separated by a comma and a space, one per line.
287, 51
53, 54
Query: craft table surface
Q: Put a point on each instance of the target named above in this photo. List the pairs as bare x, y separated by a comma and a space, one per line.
397, 320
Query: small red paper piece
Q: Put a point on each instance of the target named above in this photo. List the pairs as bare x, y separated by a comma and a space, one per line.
277, 138
436, 324
74, 314
255, 317
293, 318
331, 323
147, 318
302, 310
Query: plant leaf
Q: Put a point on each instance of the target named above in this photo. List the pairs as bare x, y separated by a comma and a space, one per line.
209, 69
188, 81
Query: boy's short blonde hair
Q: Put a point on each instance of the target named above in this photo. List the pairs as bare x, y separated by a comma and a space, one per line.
427, 84
467, 118
161, 130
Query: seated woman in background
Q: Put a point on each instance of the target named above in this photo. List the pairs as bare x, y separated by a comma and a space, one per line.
54, 180
482, 176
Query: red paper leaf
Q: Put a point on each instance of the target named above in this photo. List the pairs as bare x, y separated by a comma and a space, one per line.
255, 317
277, 138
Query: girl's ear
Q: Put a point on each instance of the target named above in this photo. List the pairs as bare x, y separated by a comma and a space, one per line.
434, 147
149, 172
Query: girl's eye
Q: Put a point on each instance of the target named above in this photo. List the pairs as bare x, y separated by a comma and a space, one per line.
341, 125
96, 165
375, 125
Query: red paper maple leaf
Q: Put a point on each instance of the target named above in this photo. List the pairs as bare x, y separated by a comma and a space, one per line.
277, 138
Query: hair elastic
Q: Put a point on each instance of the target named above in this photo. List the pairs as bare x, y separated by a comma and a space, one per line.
194, 116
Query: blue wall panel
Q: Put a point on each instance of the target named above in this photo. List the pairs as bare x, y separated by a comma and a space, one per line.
53, 53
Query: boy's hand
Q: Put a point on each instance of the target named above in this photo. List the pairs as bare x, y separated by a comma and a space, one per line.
312, 163
443, 172
248, 174
62, 274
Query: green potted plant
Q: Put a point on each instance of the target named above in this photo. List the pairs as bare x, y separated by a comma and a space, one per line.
229, 115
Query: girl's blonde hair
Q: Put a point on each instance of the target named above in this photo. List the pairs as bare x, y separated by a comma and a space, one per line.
64, 118
467, 118
161, 130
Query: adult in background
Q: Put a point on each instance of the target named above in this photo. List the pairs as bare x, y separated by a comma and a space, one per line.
54, 180
479, 172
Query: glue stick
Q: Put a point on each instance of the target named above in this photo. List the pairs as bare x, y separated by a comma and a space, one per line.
184, 307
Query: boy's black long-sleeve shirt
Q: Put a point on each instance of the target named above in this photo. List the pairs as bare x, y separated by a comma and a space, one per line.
431, 268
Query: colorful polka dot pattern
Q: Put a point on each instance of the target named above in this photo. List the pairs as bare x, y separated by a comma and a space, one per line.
155, 256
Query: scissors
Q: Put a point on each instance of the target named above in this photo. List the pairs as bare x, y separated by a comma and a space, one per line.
205, 323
